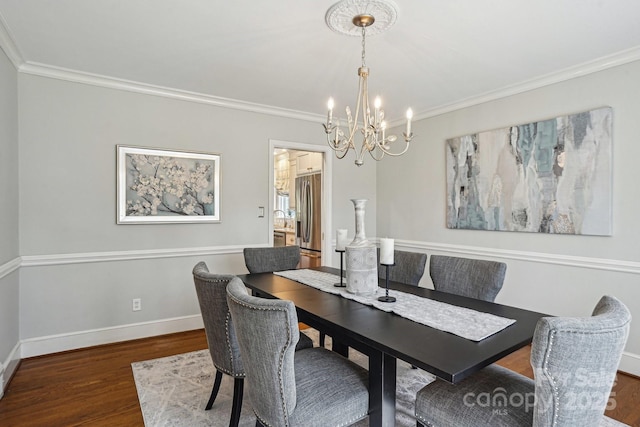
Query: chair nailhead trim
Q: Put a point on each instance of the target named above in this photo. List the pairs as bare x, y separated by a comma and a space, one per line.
556, 395
353, 420
281, 357
227, 334
423, 421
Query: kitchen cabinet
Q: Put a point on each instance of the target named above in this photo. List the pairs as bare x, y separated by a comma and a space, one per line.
291, 239
310, 260
279, 239
309, 162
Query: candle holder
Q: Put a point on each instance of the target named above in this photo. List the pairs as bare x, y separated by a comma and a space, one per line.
341, 284
386, 297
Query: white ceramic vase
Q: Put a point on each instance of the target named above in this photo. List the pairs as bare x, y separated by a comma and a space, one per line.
360, 238
361, 257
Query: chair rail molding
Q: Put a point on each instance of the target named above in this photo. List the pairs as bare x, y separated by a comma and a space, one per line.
9, 46
93, 257
9, 267
539, 257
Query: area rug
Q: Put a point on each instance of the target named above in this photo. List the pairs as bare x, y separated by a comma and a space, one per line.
173, 391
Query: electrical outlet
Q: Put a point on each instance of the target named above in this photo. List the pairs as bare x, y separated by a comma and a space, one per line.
136, 304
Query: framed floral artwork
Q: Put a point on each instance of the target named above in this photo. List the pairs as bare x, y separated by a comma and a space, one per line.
165, 186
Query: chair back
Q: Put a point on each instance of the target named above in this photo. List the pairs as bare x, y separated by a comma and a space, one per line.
266, 260
467, 277
267, 331
409, 267
575, 362
218, 325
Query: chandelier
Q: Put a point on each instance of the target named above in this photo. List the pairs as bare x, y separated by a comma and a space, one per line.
367, 123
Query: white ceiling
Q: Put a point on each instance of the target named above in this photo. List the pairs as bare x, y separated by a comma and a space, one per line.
280, 53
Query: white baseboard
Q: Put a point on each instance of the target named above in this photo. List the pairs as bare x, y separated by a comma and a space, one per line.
75, 340
630, 363
8, 368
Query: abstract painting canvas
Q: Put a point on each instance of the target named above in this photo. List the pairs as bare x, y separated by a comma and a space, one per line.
551, 176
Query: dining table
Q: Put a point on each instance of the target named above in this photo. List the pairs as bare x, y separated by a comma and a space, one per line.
386, 337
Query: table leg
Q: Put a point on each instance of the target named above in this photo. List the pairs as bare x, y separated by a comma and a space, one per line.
382, 390
340, 348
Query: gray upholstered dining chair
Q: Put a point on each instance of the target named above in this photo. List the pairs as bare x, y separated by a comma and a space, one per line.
408, 268
221, 337
266, 260
270, 259
310, 387
574, 362
467, 277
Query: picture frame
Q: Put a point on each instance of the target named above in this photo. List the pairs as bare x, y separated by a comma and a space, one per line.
161, 186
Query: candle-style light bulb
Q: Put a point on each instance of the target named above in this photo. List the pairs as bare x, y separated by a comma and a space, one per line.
376, 103
409, 117
330, 113
383, 126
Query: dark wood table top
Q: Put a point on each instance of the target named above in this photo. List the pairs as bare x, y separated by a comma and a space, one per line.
364, 328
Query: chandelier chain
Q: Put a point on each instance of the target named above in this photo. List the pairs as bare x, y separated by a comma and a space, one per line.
364, 64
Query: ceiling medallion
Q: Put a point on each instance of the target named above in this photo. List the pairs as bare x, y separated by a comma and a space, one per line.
340, 16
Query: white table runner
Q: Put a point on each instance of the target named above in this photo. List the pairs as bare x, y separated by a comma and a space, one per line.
464, 322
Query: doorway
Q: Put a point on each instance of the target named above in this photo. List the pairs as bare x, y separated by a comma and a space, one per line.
300, 203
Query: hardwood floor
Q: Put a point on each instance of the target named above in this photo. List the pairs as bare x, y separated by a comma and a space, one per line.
95, 387
88, 387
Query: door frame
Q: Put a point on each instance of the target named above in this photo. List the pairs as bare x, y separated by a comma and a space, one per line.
326, 189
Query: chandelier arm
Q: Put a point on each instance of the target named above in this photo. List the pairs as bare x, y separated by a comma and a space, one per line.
395, 154
373, 156
340, 154
367, 131
337, 146
354, 125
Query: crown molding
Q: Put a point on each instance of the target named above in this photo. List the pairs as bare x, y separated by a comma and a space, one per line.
586, 68
8, 44
60, 73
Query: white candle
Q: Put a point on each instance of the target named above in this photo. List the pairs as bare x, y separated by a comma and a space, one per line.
409, 116
341, 239
386, 251
377, 104
330, 112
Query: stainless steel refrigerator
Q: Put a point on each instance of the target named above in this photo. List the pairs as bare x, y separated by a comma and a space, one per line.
309, 217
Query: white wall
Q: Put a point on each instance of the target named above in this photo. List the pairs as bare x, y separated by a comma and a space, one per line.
9, 249
555, 274
80, 270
